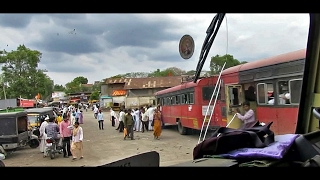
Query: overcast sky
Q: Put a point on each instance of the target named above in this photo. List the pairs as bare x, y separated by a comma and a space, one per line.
99, 46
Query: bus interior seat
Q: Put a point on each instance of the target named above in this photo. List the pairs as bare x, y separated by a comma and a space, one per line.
305, 147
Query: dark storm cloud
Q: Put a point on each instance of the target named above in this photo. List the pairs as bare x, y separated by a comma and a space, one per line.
131, 30
160, 55
66, 67
15, 20
81, 34
58, 62
67, 41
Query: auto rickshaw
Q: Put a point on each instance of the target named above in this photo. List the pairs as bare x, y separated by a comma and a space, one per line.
36, 114
14, 132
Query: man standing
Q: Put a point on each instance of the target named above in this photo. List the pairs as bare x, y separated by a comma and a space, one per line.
144, 120
128, 124
43, 135
77, 139
150, 113
121, 119
65, 133
113, 117
138, 123
95, 111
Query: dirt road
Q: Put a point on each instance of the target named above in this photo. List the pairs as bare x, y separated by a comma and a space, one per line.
105, 146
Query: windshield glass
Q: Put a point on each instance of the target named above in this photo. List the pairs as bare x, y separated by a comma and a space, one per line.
33, 119
121, 61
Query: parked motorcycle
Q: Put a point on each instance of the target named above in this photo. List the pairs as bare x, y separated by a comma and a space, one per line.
52, 148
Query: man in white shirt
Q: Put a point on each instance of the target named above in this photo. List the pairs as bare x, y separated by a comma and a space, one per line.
144, 120
121, 118
95, 111
113, 117
150, 112
282, 98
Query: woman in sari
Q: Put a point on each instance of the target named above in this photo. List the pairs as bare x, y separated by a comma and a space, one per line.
80, 117
157, 123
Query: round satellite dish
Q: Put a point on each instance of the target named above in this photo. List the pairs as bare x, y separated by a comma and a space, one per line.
186, 46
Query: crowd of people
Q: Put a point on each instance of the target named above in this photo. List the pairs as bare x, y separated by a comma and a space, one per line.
66, 131
130, 120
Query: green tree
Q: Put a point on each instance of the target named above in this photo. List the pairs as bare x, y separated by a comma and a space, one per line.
97, 86
22, 76
95, 95
58, 87
217, 62
190, 73
75, 85
172, 71
81, 80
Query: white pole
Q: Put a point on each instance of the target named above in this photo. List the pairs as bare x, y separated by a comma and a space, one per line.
214, 105
210, 101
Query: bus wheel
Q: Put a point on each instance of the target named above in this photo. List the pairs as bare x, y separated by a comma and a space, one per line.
182, 130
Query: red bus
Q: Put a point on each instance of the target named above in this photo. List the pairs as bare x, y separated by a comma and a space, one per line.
263, 84
186, 105
259, 82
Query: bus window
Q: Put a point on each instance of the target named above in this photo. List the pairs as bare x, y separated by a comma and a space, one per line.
173, 100
265, 93
222, 93
186, 100
168, 100
283, 88
183, 99
249, 94
162, 102
177, 99
191, 98
207, 92
295, 90
234, 96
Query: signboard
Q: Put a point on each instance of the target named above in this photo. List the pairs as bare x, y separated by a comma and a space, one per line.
26, 103
119, 93
59, 95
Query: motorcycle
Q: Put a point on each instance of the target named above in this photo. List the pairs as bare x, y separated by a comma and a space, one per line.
52, 147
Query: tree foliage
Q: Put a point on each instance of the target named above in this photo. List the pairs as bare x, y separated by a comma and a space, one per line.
58, 87
76, 85
217, 62
95, 95
21, 74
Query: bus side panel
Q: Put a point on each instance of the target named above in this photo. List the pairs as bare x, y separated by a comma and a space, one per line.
166, 115
268, 114
287, 119
219, 121
192, 116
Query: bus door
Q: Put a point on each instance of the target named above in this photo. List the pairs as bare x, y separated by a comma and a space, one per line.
234, 94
